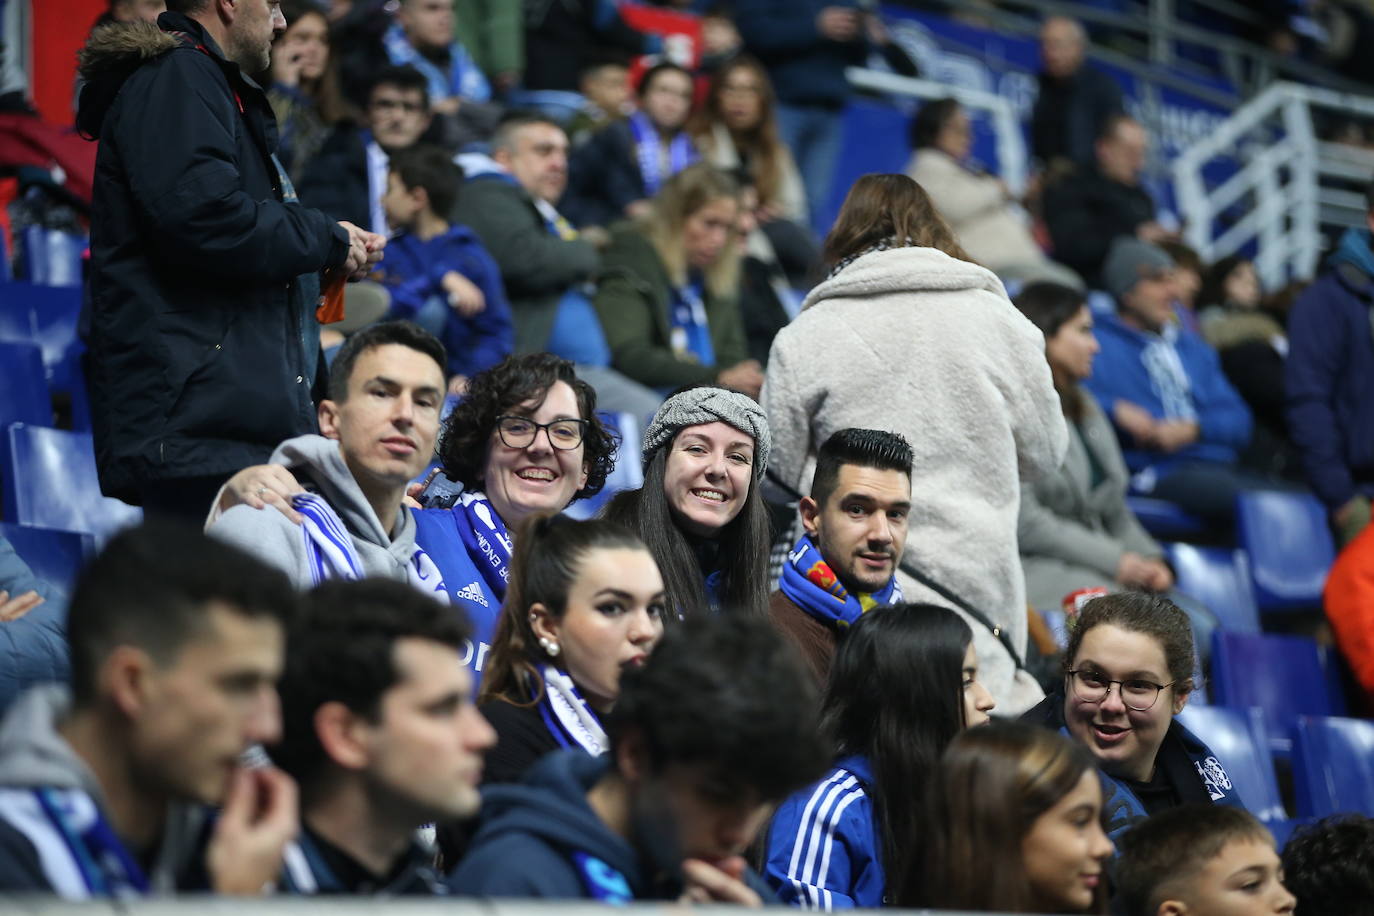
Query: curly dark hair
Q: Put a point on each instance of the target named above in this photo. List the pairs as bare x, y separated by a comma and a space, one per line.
1329, 866
466, 436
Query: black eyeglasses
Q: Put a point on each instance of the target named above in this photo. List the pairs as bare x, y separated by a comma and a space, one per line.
1093, 686
519, 432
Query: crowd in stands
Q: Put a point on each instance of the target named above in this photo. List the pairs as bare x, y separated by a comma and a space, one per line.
377, 292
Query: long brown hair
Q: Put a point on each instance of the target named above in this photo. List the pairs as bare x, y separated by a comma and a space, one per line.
892, 207
1050, 306
760, 147
325, 91
994, 782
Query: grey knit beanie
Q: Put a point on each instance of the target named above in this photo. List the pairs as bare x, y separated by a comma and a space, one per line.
1127, 260
708, 404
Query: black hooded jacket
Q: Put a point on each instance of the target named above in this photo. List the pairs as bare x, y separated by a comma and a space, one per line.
201, 262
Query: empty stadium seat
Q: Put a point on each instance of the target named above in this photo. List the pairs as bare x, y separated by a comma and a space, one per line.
628, 473
1220, 579
51, 483
1240, 740
24, 394
54, 556
1284, 675
46, 316
52, 257
1333, 766
1290, 547
1165, 520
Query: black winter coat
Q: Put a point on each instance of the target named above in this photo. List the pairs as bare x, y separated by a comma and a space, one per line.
1086, 211
198, 332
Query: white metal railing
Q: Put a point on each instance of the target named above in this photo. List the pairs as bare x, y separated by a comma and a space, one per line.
1006, 126
1286, 187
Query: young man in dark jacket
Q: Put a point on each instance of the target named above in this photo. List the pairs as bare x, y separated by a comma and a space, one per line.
204, 269
719, 726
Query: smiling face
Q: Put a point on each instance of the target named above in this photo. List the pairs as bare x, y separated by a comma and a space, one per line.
307, 40
1073, 346
709, 471
538, 477
1243, 879
612, 620
861, 529
1065, 849
706, 232
977, 701
1124, 740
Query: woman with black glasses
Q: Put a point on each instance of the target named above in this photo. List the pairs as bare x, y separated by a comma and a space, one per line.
525, 439
1128, 671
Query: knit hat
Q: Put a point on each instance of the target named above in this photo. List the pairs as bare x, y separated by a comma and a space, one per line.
1128, 260
708, 404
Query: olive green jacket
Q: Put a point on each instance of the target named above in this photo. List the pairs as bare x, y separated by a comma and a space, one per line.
493, 32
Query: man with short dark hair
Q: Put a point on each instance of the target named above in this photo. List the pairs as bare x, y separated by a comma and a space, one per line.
380, 732
345, 487
718, 727
846, 562
205, 270
176, 645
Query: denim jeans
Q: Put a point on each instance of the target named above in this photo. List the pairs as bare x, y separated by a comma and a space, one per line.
813, 133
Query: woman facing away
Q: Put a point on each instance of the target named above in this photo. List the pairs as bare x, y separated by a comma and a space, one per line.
908, 335
904, 682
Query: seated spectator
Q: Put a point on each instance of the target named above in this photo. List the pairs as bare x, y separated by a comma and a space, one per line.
1329, 866
1014, 825
584, 605
1075, 101
1329, 381
606, 87
669, 293
438, 274
855, 523
1181, 423
348, 176
329, 506
904, 683
1128, 671
33, 612
546, 264
380, 733
1087, 214
303, 86
715, 729
562, 38
767, 298
613, 174
980, 210
176, 644
1188, 279
1204, 860
700, 510
526, 439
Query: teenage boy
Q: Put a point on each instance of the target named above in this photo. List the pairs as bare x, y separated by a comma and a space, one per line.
718, 727
846, 562
176, 646
438, 274
1201, 860
379, 731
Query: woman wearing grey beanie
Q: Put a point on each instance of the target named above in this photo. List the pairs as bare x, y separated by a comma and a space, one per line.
700, 510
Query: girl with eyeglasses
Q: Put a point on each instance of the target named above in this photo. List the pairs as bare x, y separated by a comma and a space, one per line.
1128, 671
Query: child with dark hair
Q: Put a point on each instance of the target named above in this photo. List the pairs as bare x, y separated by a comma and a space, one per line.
1329, 866
1203, 860
718, 726
438, 274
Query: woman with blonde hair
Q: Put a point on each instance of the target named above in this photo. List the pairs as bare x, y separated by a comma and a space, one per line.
668, 298
908, 335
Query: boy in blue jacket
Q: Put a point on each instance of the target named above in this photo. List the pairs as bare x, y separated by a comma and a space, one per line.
439, 275
1180, 422
720, 725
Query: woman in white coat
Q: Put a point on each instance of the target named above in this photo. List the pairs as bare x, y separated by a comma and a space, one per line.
908, 335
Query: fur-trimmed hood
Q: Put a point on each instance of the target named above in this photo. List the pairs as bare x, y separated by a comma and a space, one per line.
110, 56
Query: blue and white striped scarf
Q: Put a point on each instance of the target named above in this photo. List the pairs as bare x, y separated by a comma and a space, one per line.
331, 553
80, 854
649, 150
464, 78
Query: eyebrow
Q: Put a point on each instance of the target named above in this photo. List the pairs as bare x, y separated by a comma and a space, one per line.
869, 498
1260, 871
1141, 674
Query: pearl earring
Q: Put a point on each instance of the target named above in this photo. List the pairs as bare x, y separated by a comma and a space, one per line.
549, 646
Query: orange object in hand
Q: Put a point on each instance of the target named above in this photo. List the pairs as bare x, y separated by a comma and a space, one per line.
331, 307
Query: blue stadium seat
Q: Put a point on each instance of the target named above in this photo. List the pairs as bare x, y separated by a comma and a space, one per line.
628, 473
47, 316
1165, 520
1285, 676
51, 483
52, 257
54, 556
1290, 547
1240, 740
1333, 766
24, 394
1219, 578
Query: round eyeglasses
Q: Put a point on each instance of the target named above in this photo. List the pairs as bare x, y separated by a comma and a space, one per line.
519, 432
1093, 686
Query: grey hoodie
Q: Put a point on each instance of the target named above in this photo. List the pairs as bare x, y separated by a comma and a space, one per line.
34, 755
271, 537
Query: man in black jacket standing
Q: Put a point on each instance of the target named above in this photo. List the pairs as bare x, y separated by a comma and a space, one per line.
205, 270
